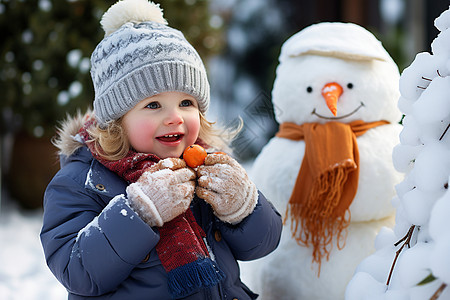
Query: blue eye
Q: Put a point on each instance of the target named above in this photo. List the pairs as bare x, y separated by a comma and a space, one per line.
186, 102
153, 105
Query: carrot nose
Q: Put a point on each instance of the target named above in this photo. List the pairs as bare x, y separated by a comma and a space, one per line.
331, 92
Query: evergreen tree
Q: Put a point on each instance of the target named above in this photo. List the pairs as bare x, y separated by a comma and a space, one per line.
45, 50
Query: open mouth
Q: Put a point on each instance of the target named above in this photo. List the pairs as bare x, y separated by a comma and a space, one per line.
170, 138
340, 117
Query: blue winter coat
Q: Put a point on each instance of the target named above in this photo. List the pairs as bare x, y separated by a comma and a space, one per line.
101, 248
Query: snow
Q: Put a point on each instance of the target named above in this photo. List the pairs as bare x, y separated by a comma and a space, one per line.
339, 43
167, 163
87, 229
423, 199
23, 272
89, 182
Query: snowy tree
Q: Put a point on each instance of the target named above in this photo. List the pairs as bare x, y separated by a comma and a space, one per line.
412, 261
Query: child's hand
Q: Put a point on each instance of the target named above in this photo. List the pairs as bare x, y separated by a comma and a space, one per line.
224, 184
163, 191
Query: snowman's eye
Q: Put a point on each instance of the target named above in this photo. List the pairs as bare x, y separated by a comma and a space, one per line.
309, 89
350, 85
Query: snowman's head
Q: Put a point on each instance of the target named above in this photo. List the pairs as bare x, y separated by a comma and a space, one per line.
316, 82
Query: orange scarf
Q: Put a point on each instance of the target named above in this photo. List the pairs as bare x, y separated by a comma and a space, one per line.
326, 183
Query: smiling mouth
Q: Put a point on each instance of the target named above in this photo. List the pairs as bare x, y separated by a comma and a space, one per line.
170, 138
340, 117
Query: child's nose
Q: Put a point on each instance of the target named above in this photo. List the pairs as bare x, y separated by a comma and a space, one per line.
173, 118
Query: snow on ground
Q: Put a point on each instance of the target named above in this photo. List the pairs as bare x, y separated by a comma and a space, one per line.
23, 272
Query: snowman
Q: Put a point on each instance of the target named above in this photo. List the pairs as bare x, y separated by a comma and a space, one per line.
329, 169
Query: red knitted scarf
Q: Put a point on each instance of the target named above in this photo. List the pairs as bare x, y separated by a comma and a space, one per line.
182, 246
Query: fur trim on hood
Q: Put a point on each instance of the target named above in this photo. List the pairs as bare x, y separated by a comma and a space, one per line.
67, 140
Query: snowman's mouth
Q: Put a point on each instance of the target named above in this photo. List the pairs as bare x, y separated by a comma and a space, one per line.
340, 117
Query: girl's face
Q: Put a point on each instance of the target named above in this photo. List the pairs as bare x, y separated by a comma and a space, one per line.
164, 124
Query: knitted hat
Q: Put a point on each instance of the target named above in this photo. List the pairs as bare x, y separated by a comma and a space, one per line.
140, 56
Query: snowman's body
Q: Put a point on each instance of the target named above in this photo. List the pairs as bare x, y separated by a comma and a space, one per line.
370, 92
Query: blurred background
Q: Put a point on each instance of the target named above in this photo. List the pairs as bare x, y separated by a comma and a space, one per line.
44, 66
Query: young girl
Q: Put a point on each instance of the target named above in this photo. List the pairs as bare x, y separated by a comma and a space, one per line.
125, 218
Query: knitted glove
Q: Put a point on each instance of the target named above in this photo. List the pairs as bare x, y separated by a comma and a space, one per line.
224, 184
164, 191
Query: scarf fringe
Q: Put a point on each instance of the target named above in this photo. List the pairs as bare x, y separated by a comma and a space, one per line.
186, 279
315, 222
320, 201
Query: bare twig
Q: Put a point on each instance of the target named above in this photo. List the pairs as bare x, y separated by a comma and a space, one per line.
438, 292
445, 131
407, 240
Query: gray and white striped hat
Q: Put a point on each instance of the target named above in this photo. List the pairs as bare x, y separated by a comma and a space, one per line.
142, 58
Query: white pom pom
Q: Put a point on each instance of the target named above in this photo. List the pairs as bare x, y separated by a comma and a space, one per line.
125, 11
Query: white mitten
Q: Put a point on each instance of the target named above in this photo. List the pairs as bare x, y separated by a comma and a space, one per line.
164, 191
224, 184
